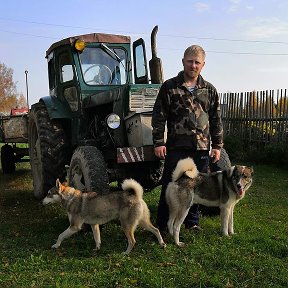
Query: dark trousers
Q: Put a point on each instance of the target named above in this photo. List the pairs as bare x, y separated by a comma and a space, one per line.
201, 159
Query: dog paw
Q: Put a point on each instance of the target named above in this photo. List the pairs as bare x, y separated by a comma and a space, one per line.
95, 251
97, 248
163, 245
180, 244
55, 246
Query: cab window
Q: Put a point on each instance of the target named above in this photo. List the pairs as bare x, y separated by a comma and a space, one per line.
66, 68
104, 67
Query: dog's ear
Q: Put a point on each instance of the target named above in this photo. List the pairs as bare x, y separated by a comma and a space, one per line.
58, 185
232, 170
251, 170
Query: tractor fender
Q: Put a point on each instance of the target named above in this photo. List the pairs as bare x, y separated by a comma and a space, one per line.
56, 108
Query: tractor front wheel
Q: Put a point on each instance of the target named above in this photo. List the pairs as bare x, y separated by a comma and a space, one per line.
87, 171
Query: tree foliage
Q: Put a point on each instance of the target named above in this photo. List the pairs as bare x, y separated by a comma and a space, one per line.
282, 106
261, 104
9, 98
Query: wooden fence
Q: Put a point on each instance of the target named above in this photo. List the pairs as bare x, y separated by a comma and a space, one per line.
256, 117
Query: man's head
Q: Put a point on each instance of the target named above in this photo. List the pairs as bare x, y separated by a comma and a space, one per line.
193, 61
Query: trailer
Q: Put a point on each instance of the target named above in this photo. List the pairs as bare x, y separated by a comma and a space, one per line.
14, 139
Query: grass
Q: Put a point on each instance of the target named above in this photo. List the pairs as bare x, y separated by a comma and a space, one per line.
255, 257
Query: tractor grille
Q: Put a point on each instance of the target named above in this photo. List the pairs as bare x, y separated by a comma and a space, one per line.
142, 100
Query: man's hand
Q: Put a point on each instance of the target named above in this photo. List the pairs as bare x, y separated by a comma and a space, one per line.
215, 154
160, 152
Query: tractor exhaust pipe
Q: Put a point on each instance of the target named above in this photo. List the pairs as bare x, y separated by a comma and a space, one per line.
155, 64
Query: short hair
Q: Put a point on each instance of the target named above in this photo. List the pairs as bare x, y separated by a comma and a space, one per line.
195, 50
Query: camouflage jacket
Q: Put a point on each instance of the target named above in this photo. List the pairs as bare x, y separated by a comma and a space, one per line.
193, 118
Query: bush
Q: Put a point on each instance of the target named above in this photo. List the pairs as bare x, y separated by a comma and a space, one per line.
276, 153
234, 147
272, 153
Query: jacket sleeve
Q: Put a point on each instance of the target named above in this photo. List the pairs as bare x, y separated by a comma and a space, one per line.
159, 116
215, 122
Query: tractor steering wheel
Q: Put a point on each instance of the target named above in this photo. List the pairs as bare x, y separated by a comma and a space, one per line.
102, 75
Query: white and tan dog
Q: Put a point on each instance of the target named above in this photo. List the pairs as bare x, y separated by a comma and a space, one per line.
220, 189
95, 209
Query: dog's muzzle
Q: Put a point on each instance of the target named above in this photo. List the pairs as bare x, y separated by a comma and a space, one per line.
51, 200
240, 190
45, 201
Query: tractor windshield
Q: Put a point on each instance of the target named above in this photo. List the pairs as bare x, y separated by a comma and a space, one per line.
104, 67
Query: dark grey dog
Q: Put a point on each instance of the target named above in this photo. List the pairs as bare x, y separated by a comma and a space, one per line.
220, 189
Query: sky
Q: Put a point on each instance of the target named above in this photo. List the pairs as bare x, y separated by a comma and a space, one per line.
245, 41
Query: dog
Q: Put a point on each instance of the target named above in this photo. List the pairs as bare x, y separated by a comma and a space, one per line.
221, 189
95, 209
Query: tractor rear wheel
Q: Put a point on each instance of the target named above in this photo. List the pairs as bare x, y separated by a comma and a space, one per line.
147, 174
87, 171
222, 164
47, 150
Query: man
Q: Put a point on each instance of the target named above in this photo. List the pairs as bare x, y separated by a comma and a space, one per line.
190, 107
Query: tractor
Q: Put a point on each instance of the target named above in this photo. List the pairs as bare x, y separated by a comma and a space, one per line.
94, 128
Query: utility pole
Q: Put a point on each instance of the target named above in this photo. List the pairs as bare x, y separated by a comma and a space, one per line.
27, 97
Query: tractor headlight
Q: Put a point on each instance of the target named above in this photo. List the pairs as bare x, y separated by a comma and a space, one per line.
113, 121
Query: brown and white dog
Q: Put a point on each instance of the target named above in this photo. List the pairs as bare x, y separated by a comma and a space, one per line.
95, 209
220, 189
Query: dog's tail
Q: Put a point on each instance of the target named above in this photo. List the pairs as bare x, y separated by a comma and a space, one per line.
131, 184
185, 166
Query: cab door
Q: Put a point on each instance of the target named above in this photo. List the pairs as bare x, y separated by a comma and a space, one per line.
140, 62
66, 84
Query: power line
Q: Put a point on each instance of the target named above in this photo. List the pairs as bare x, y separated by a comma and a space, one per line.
27, 34
175, 49
249, 53
218, 52
140, 33
74, 27
227, 39
229, 52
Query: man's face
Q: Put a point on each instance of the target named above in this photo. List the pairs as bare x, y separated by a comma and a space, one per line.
193, 65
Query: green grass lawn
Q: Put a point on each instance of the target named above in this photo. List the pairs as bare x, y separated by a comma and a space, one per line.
257, 256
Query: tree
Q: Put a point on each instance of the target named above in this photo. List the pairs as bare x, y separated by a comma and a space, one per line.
9, 97
254, 104
282, 106
270, 107
21, 101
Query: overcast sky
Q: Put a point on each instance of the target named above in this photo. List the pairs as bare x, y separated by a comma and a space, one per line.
246, 41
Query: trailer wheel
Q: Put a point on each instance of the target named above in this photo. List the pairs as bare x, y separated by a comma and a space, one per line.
87, 171
8, 159
48, 150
